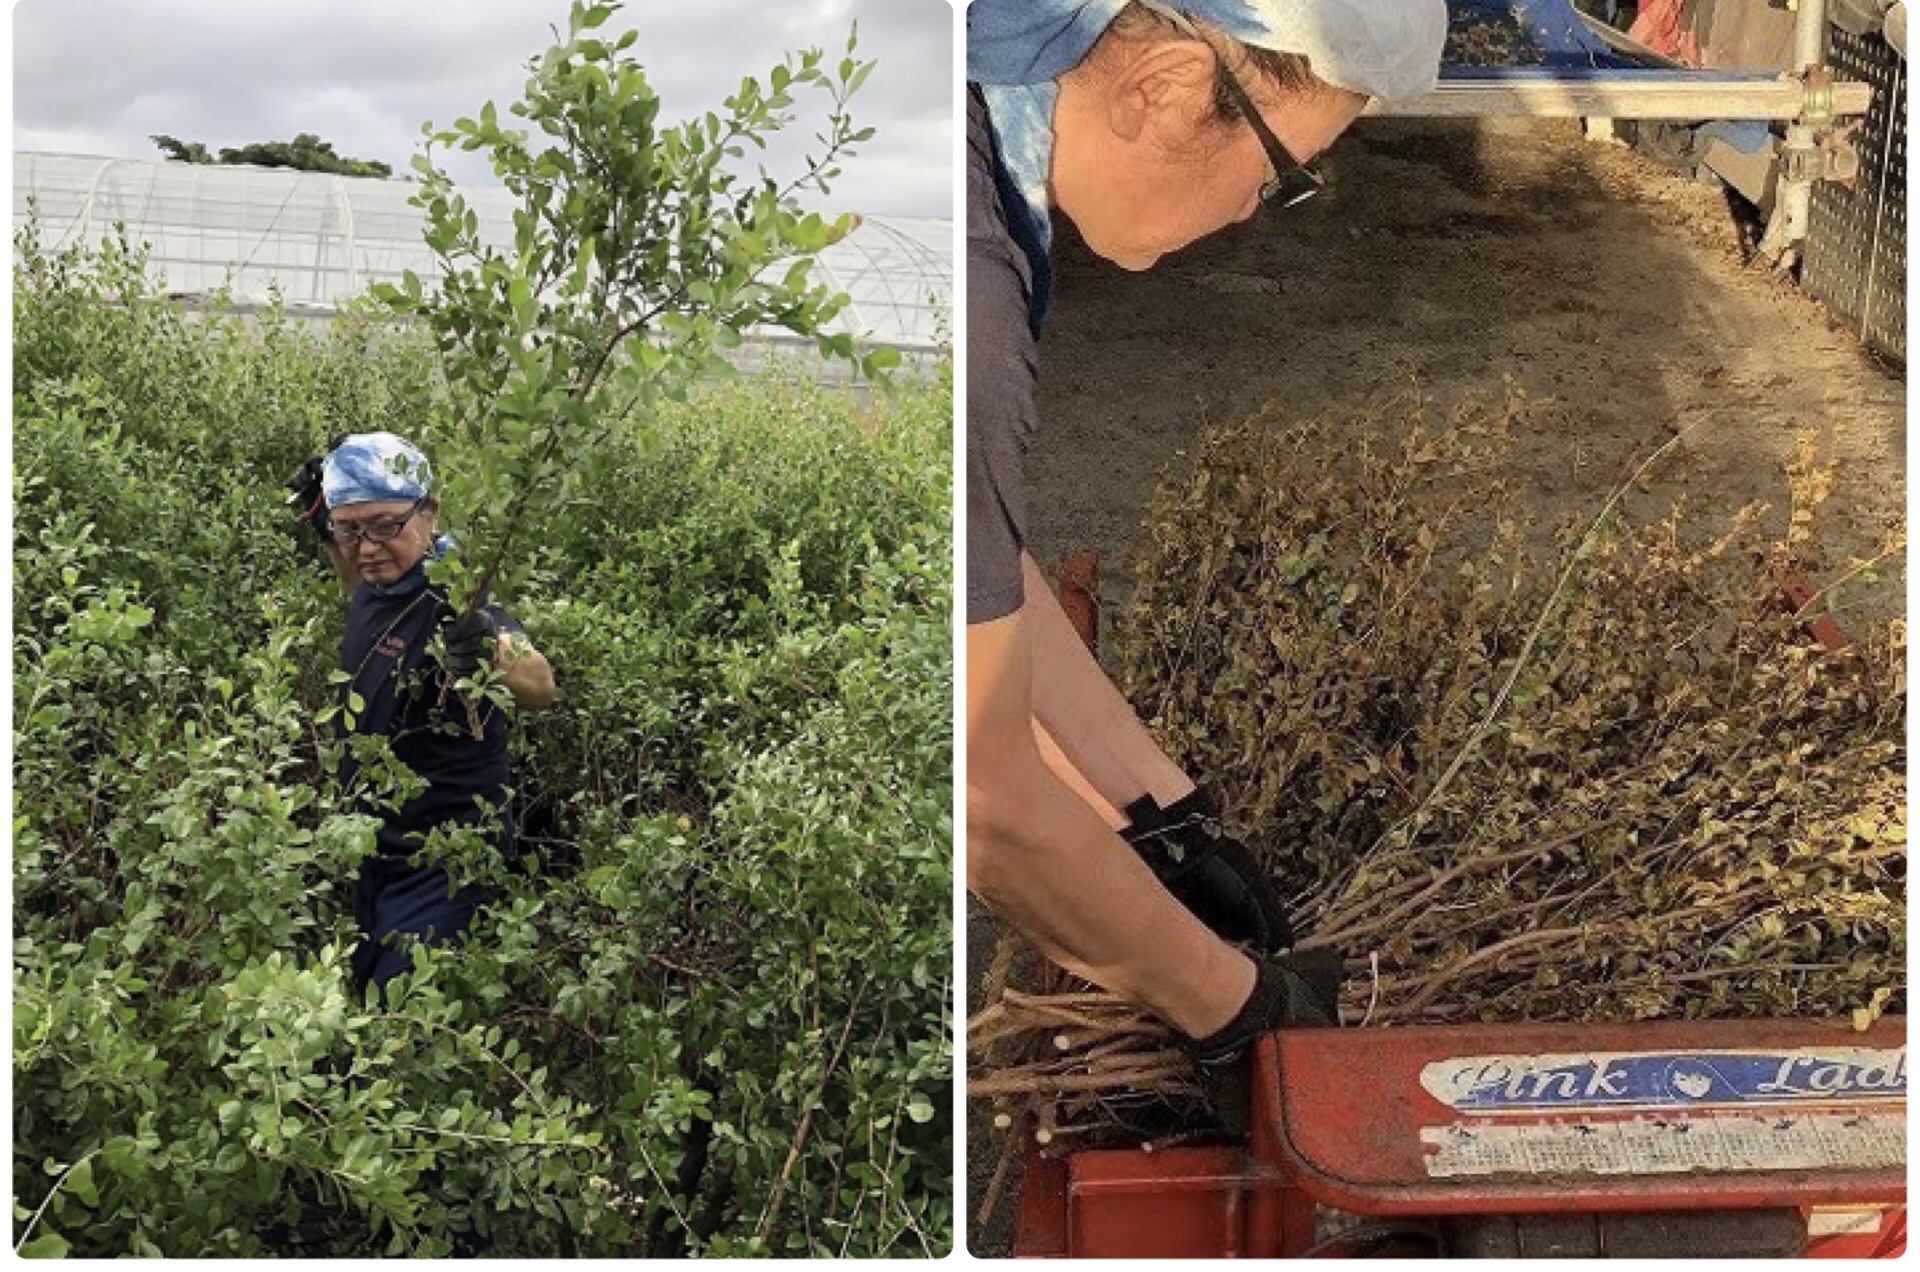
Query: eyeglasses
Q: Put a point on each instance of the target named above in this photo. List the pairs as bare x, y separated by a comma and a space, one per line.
1292, 182
375, 531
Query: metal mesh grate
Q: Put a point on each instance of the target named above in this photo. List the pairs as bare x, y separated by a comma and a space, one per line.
1856, 249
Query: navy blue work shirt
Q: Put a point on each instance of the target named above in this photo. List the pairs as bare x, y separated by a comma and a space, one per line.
385, 651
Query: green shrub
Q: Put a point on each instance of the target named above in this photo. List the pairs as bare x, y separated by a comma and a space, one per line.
711, 1019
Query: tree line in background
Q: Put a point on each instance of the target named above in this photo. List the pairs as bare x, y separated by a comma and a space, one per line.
305, 153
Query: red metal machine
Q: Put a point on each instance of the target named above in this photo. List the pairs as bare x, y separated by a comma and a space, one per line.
1730, 1138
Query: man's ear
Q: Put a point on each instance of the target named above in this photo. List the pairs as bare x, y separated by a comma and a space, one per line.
1163, 93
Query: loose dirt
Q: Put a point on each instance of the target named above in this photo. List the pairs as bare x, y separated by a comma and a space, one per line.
1455, 258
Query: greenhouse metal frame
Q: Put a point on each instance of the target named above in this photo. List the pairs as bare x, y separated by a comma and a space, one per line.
320, 240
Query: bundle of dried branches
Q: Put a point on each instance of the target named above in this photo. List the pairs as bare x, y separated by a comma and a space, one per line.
1596, 774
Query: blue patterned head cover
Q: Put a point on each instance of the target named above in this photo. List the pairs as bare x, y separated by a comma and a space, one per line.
1018, 49
1382, 48
375, 468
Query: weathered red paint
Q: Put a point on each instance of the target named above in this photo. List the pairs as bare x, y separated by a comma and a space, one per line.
1079, 588
1887, 1241
1040, 1227
1799, 594
1337, 1116
1175, 1203
1342, 1116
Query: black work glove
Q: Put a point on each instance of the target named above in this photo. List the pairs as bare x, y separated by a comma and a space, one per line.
307, 495
1209, 872
1288, 990
471, 641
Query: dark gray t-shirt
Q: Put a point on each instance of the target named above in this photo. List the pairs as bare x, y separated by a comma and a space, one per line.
1002, 382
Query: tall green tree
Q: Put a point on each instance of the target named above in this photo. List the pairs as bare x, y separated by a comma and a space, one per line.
183, 151
639, 255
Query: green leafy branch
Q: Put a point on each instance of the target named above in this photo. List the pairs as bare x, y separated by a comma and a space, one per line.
638, 256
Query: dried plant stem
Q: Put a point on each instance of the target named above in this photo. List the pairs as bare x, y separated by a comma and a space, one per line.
1521, 659
1492, 954
1002, 1169
1340, 929
1114, 1079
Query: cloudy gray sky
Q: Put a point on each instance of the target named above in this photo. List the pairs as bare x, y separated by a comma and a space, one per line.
100, 76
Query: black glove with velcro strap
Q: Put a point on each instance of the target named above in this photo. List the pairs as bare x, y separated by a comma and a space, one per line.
305, 495
1208, 871
472, 639
306, 491
1289, 989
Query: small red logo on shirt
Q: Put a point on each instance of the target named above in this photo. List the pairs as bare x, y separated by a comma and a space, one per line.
390, 646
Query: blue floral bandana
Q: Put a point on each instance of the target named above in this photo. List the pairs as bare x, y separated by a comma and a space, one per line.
375, 468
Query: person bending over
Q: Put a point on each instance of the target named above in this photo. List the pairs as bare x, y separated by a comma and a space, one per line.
1150, 126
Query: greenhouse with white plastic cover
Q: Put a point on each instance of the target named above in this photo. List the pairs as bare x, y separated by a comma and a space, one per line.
318, 241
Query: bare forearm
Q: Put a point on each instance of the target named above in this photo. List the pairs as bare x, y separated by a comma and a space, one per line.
1049, 863
525, 672
1085, 714
1060, 875
1074, 780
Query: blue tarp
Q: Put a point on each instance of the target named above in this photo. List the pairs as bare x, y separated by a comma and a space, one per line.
1552, 27
1555, 45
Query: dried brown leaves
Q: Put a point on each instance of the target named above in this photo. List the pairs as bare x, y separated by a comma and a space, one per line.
1605, 775
1513, 774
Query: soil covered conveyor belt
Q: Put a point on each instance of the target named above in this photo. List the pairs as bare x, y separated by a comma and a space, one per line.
1542, 58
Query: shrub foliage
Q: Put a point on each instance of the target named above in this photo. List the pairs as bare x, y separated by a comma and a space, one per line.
712, 1018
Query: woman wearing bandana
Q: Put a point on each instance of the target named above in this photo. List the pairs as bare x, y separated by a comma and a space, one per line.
370, 500
1150, 126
